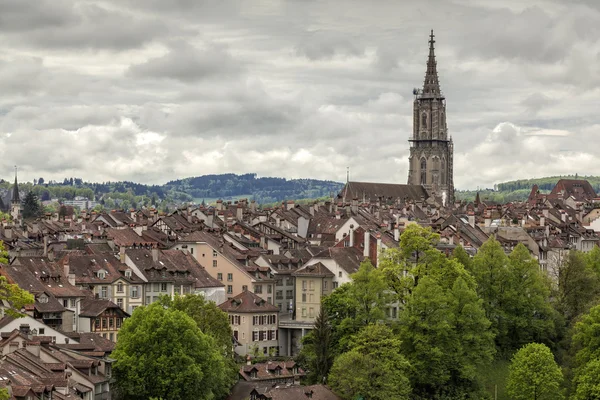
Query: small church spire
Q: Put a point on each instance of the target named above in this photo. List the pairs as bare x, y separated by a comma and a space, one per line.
431, 85
15, 193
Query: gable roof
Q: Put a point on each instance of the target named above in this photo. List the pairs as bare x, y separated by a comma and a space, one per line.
372, 191
247, 302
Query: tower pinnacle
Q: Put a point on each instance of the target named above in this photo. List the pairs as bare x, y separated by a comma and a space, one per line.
15, 193
431, 85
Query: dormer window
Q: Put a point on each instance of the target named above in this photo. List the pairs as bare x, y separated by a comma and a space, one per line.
128, 274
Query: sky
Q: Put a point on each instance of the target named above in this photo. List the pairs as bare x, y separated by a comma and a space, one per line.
156, 90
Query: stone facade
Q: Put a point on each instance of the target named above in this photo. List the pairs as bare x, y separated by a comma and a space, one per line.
431, 150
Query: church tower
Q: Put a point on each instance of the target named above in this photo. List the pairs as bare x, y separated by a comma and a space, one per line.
15, 203
431, 150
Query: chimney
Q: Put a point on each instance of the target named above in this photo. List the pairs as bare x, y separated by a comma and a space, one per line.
45, 245
240, 212
253, 206
488, 221
8, 232
396, 232
277, 221
122, 254
542, 221
338, 215
155, 254
351, 238
355, 205
219, 205
66, 268
367, 247
290, 204
563, 215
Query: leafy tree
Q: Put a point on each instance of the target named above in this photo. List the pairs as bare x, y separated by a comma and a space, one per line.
161, 352
446, 338
534, 375
31, 206
587, 382
4, 394
373, 367
316, 351
515, 296
356, 304
578, 284
461, 255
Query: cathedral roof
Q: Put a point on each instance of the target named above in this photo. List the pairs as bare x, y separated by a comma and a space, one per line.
371, 191
431, 84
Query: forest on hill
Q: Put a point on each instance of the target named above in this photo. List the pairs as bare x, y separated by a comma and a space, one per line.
206, 188
518, 190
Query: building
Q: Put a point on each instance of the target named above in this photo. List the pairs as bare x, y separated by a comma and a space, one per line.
254, 323
431, 149
312, 283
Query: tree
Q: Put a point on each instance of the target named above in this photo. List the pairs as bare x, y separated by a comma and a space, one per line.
578, 284
356, 304
515, 296
534, 375
587, 382
373, 367
4, 395
31, 206
446, 338
13, 296
316, 351
162, 353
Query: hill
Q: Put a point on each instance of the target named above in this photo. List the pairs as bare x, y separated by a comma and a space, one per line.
518, 190
207, 188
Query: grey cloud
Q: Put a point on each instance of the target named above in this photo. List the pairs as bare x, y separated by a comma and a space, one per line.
187, 63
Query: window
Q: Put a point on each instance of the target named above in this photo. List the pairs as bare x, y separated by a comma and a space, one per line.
118, 323
191, 250
304, 312
423, 171
304, 297
65, 302
340, 274
245, 288
325, 285
269, 289
177, 290
148, 300
230, 277
229, 289
279, 282
163, 287
335, 285
97, 324
104, 324
311, 285
311, 312
279, 294
289, 294
215, 253
111, 337
111, 322
120, 303
104, 293
311, 298
134, 291
119, 287
304, 284
128, 274
424, 121
41, 331
220, 276
214, 263
73, 304
289, 281
257, 288
156, 287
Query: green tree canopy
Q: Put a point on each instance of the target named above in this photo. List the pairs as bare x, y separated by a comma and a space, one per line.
515, 296
578, 284
316, 353
446, 338
14, 297
31, 206
534, 375
373, 368
356, 304
162, 353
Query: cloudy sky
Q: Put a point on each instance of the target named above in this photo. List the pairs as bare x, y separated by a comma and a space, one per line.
155, 90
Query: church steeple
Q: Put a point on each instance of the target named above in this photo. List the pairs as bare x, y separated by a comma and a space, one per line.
431, 85
15, 192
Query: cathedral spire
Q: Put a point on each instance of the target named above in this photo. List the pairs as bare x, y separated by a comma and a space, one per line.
431, 85
15, 193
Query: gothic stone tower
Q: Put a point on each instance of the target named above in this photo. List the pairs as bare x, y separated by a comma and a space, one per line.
431, 151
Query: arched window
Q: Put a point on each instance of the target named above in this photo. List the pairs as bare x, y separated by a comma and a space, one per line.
442, 119
424, 121
423, 171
